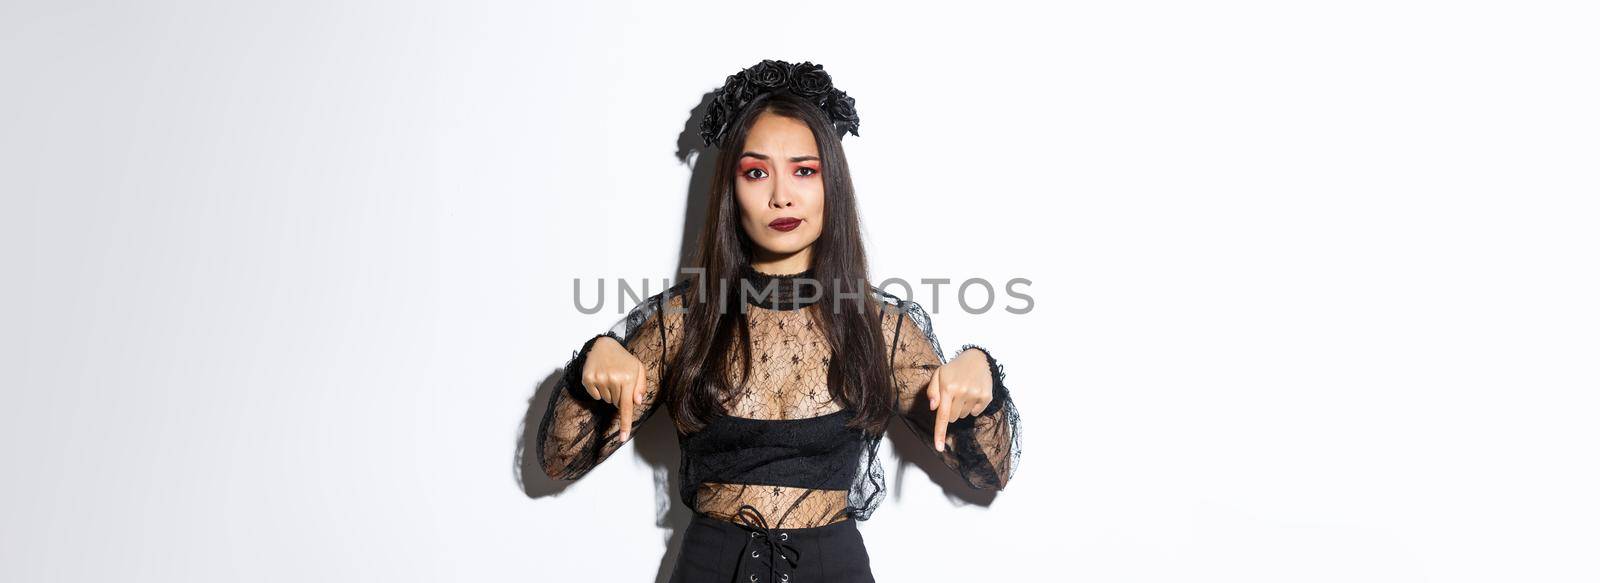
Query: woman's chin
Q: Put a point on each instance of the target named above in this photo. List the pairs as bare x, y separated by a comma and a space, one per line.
784, 244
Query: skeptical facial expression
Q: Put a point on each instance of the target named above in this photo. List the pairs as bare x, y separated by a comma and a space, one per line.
779, 186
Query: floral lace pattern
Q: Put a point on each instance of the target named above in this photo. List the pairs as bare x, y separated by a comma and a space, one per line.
787, 389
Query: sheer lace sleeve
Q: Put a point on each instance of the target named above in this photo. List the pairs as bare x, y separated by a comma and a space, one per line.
984, 449
578, 431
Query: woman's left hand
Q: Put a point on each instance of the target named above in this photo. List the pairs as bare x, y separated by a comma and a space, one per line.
960, 388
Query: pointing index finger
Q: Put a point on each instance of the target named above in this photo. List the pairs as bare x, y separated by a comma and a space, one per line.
940, 419
625, 410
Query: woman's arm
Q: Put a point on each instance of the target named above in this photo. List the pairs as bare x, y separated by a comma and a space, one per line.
984, 448
579, 431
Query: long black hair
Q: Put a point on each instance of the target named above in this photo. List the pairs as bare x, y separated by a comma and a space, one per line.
698, 381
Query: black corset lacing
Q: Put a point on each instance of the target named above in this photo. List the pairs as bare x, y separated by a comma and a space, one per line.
776, 543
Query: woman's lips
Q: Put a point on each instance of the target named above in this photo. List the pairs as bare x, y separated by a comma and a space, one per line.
784, 224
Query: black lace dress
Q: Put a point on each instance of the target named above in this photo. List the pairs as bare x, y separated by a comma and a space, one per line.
782, 456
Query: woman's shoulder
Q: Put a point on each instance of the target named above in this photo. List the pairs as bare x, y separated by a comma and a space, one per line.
667, 305
893, 305
673, 295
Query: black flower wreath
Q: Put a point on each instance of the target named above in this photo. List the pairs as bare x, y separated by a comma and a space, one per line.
805, 80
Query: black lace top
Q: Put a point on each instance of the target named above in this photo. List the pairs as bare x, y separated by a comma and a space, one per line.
783, 446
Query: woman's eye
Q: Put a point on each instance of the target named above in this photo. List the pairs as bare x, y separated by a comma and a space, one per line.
748, 172
805, 171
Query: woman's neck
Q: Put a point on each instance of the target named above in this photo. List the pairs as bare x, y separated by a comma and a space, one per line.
779, 291
790, 264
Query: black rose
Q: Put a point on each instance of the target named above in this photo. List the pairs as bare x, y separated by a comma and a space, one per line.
769, 74
810, 80
843, 111
711, 124
742, 95
733, 90
719, 113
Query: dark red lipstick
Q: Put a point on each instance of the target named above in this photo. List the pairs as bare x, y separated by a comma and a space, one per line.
784, 223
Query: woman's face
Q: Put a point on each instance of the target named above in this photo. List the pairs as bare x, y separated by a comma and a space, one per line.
779, 188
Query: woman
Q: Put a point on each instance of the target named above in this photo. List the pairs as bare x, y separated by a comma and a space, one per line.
779, 365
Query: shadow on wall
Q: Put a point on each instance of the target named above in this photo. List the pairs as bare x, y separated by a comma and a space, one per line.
656, 441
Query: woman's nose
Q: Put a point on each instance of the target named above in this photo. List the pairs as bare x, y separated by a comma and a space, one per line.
780, 195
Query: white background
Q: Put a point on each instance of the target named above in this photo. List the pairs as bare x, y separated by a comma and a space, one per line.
1314, 282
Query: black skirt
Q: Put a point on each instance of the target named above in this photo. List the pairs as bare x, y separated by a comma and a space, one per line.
746, 551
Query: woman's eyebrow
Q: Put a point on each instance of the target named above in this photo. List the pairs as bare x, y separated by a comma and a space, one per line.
761, 156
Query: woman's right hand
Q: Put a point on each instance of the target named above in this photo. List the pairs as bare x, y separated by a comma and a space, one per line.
614, 375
